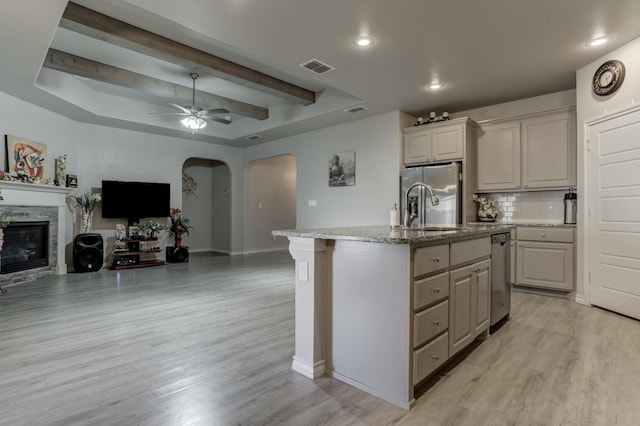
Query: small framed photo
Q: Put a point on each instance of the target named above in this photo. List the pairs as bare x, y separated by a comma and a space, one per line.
72, 181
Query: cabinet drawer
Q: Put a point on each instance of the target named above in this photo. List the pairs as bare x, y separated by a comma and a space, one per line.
430, 290
558, 235
430, 357
430, 322
467, 251
430, 259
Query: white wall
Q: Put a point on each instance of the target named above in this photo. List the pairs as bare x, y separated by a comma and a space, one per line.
377, 142
520, 107
589, 107
221, 210
270, 203
96, 152
197, 206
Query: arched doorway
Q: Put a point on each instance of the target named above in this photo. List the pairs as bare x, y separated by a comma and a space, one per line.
270, 202
208, 206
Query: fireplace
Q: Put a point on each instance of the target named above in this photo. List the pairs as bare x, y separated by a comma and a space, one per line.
26, 246
30, 202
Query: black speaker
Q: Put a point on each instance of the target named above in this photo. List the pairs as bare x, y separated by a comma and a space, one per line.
177, 254
88, 252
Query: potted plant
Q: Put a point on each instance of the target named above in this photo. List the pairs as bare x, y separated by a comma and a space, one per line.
151, 229
88, 203
487, 208
178, 225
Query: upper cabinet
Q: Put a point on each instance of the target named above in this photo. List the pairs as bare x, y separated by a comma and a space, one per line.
537, 152
437, 142
499, 157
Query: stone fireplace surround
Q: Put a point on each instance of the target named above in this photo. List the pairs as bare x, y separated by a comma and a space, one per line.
34, 202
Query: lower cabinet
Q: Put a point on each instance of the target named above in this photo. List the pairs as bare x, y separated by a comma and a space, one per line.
545, 258
470, 303
451, 303
430, 357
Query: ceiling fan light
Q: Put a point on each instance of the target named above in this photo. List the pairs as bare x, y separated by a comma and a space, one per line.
193, 123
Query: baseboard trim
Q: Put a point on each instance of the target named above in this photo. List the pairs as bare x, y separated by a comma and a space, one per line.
580, 299
269, 250
402, 404
311, 371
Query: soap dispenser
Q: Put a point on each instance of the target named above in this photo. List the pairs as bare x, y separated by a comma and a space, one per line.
570, 205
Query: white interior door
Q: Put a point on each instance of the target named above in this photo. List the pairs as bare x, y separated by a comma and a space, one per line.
614, 224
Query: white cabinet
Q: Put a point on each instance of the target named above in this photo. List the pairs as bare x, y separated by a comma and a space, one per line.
470, 304
549, 151
538, 152
417, 147
437, 142
442, 295
447, 143
499, 157
545, 258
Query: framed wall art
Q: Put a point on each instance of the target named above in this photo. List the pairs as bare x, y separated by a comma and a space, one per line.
342, 169
26, 158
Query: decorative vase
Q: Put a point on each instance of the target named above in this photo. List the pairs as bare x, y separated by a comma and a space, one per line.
485, 215
87, 221
178, 239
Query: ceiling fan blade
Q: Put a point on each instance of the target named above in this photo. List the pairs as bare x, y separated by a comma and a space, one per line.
216, 111
169, 113
218, 119
180, 107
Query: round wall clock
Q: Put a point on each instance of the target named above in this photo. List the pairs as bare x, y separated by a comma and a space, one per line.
608, 78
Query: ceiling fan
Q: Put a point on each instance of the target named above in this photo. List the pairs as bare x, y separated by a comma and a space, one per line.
196, 117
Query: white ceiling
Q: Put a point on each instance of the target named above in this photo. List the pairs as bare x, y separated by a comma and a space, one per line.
485, 52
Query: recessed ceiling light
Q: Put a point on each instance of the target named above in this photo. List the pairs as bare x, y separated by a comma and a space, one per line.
598, 41
363, 41
435, 85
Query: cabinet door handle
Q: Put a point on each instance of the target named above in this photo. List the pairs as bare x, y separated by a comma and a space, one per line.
435, 357
543, 235
436, 259
436, 322
436, 289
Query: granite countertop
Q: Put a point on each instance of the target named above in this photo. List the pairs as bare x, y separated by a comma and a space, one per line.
400, 235
540, 224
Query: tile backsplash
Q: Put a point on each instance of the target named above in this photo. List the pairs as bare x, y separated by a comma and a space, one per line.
532, 207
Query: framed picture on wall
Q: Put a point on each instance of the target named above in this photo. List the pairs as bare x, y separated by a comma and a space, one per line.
342, 169
26, 158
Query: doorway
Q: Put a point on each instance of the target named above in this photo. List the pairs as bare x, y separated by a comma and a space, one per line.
206, 201
613, 220
270, 202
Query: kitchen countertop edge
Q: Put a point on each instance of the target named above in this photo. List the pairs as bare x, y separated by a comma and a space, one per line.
388, 235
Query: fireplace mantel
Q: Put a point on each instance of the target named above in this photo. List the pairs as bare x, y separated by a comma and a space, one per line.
19, 194
21, 186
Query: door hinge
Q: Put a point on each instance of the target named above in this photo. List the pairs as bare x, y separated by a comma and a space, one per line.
589, 210
589, 276
588, 145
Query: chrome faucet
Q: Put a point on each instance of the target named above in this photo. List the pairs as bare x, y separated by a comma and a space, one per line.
409, 214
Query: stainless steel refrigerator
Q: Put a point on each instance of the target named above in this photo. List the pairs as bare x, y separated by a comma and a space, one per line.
445, 181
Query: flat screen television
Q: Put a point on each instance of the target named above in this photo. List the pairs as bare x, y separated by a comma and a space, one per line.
135, 200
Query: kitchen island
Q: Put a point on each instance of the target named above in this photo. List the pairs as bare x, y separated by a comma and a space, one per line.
384, 308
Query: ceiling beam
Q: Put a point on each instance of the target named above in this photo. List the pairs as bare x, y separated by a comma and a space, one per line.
94, 24
76, 65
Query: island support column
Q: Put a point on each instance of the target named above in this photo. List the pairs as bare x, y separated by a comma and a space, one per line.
310, 346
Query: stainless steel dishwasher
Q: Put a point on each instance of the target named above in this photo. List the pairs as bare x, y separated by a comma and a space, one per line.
500, 271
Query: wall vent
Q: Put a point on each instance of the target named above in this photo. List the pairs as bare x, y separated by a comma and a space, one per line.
317, 66
254, 137
355, 109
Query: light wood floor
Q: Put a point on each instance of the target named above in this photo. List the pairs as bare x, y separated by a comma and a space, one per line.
210, 342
